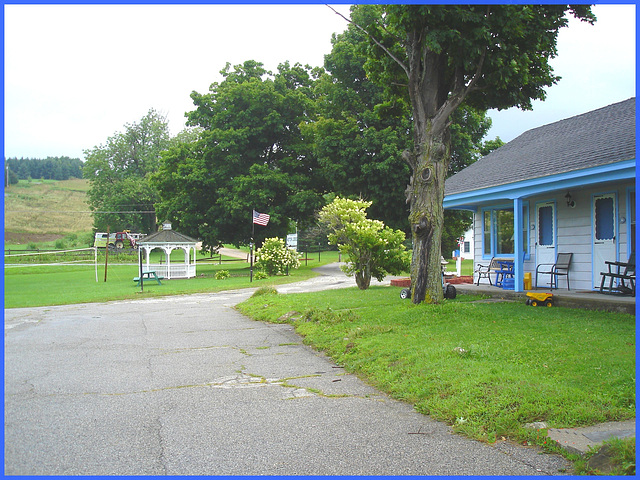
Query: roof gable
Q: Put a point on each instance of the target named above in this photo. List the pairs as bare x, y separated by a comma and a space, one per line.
167, 236
600, 137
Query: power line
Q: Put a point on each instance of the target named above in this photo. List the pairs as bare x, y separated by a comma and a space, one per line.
79, 211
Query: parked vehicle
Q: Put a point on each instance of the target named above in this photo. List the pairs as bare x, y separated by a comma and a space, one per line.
128, 239
100, 240
118, 240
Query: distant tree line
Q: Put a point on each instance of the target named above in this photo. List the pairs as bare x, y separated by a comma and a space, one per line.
50, 168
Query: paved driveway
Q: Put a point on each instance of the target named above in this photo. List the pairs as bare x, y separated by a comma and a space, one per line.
188, 386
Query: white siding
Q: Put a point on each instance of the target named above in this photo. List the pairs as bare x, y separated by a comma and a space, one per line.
574, 231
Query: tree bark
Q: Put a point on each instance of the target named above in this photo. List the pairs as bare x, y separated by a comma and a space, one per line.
363, 280
425, 194
363, 275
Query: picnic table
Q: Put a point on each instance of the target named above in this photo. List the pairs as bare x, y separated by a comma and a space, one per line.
148, 275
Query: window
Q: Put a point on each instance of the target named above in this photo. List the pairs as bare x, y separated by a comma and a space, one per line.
497, 231
486, 237
504, 232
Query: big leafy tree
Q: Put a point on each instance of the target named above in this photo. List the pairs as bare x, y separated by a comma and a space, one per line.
487, 56
361, 132
118, 171
248, 156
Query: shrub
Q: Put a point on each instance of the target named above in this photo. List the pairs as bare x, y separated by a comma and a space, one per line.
260, 275
222, 274
371, 248
274, 258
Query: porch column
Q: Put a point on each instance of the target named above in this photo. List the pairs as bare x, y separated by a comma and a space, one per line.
518, 249
147, 251
167, 255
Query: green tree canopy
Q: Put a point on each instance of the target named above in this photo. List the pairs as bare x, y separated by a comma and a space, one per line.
121, 194
360, 135
249, 156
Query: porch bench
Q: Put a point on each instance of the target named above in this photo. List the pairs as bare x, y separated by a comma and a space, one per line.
622, 271
497, 266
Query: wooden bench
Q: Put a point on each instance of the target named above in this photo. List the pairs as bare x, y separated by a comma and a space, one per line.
149, 275
497, 266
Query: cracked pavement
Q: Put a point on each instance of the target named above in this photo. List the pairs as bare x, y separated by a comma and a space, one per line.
188, 386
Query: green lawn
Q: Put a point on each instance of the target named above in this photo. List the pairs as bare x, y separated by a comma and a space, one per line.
61, 285
485, 368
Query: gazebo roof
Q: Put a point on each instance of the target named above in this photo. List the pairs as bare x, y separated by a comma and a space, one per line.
167, 237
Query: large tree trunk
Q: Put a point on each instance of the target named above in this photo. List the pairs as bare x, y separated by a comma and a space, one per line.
425, 194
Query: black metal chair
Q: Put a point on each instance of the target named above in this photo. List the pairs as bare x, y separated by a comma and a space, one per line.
561, 267
621, 271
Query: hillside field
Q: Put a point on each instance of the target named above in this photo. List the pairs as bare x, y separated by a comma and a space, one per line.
45, 210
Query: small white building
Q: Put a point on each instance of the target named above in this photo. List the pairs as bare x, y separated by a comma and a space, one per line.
169, 240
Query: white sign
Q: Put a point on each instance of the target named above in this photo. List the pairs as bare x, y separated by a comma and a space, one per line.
292, 240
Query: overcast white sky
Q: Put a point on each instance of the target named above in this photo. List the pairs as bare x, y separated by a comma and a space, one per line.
75, 74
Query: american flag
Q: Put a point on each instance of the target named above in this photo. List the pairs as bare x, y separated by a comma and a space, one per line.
260, 218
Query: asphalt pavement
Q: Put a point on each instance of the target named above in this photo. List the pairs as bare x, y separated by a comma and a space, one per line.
186, 385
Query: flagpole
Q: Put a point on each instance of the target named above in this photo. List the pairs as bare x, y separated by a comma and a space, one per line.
253, 227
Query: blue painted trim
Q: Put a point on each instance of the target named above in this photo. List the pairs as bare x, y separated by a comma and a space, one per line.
554, 204
627, 213
607, 173
518, 261
493, 229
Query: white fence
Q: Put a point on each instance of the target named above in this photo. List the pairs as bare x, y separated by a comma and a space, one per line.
171, 271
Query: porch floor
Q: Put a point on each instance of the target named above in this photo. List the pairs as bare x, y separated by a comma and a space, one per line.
589, 300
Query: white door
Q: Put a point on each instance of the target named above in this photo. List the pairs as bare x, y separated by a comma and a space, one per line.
545, 238
604, 233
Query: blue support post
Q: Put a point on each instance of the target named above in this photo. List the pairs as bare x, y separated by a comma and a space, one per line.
518, 255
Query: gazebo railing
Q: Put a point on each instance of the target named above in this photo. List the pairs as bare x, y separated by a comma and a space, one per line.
180, 270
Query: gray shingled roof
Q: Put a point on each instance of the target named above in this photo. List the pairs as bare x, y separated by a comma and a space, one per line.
167, 236
599, 137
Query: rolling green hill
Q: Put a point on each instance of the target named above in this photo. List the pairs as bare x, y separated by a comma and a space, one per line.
45, 210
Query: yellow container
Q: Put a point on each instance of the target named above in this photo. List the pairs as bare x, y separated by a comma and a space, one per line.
527, 281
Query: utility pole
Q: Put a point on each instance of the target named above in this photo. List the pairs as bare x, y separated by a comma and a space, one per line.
106, 255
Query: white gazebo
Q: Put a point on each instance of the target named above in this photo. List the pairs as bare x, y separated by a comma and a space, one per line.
169, 240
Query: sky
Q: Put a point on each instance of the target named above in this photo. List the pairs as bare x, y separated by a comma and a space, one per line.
76, 74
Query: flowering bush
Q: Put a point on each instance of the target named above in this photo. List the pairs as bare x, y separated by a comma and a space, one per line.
274, 257
372, 249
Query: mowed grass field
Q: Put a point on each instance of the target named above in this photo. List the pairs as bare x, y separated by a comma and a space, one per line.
35, 286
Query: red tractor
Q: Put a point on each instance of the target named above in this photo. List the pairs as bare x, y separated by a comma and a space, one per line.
127, 238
